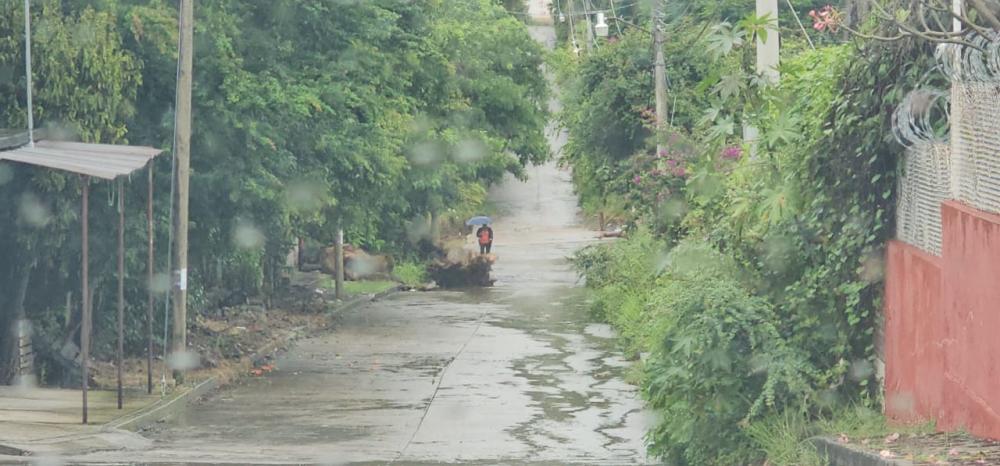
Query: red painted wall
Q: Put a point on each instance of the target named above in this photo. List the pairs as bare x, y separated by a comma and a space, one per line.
942, 326
914, 360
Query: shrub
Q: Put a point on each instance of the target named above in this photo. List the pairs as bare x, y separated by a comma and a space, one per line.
720, 362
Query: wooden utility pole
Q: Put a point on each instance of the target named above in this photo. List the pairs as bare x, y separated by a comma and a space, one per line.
182, 154
149, 282
120, 353
659, 74
338, 257
27, 71
85, 290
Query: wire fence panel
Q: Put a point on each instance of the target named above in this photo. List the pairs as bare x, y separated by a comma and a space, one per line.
923, 186
976, 142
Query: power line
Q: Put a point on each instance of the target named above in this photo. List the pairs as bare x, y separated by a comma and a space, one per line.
614, 13
797, 20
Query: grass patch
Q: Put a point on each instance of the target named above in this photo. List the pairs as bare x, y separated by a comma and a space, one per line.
862, 422
784, 438
411, 273
368, 287
358, 287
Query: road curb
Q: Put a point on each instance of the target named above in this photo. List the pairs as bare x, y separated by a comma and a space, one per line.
163, 409
839, 454
359, 301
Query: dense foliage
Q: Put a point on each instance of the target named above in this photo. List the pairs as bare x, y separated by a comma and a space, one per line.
763, 295
375, 115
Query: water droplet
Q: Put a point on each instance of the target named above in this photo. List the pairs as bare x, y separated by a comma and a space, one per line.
470, 150
183, 361
305, 196
32, 212
6, 173
860, 370
426, 153
361, 266
248, 236
160, 283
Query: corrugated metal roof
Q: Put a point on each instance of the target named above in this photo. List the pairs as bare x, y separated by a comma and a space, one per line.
107, 161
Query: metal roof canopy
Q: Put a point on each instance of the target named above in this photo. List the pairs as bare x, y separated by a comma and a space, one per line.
106, 161
109, 162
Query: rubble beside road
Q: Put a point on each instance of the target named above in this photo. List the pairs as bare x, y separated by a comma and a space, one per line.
236, 341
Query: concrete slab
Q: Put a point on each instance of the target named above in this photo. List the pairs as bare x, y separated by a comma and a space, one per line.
47, 421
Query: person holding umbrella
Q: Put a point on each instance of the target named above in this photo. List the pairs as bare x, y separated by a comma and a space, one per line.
484, 234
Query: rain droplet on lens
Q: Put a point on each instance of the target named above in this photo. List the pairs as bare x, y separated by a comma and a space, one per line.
248, 236
425, 153
901, 403
183, 361
470, 150
361, 266
305, 196
160, 283
873, 268
6, 173
32, 212
860, 370
417, 229
674, 208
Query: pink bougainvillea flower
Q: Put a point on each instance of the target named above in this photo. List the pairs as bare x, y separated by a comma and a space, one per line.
827, 18
732, 153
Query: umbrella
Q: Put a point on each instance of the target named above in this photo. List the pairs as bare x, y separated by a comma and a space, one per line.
481, 220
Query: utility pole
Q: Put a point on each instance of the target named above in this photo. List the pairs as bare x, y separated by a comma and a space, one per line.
767, 51
182, 154
660, 74
767, 60
27, 71
120, 353
338, 257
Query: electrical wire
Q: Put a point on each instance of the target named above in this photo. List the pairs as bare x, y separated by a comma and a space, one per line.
572, 33
797, 20
614, 13
592, 35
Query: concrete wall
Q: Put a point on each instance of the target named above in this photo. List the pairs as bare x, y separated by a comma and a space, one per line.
942, 326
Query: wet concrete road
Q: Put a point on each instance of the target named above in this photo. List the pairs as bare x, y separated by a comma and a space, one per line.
517, 373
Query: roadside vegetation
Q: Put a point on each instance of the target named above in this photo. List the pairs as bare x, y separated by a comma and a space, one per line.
749, 286
388, 118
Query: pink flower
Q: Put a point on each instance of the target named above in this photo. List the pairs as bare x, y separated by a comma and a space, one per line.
732, 153
672, 163
826, 18
662, 153
637, 179
679, 172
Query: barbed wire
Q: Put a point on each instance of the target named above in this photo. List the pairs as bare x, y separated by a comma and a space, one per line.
914, 122
977, 62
